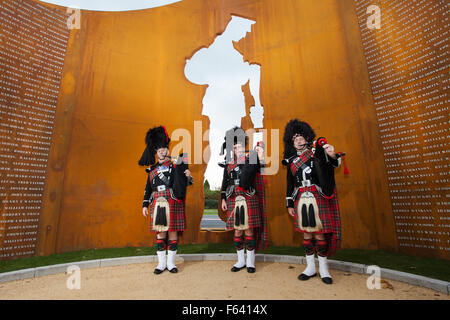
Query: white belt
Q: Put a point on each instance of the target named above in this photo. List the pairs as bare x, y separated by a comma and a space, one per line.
306, 183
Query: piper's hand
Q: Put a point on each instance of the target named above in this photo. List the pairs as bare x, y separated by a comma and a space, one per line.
187, 173
224, 205
145, 212
291, 211
260, 152
329, 149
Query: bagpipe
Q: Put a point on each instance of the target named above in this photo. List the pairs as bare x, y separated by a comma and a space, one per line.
181, 182
249, 168
324, 169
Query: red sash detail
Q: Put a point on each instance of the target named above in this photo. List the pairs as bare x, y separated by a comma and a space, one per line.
235, 163
154, 172
300, 160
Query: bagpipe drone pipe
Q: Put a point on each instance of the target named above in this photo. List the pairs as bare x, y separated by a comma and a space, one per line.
324, 168
181, 182
249, 170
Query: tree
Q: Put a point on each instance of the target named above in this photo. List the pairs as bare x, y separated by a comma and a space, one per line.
206, 186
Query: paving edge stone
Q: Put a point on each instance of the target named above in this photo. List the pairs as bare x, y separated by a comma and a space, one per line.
17, 275
111, 262
421, 281
217, 256
190, 257
434, 284
347, 266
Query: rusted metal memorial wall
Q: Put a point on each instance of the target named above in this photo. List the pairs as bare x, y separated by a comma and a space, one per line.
33, 42
408, 60
123, 73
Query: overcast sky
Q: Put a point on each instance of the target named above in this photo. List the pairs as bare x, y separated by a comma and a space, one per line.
111, 5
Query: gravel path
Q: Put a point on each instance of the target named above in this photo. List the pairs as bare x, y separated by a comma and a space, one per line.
210, 280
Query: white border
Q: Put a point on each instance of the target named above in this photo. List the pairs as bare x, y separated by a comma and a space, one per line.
111, 5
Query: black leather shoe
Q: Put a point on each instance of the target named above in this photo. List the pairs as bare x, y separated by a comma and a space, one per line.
304, 277
236, 269
327, 280
251, 270
158, 271
173, 270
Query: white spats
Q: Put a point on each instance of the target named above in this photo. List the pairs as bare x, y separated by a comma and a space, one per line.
323, 267
171, 259
161, 260
250, 258
241, 259
310, 266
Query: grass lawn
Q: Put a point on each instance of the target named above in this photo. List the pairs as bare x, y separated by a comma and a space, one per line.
210, 212
429, 267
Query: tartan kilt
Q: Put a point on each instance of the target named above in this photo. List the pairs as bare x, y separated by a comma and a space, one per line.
177, 213
328, 214
254, 217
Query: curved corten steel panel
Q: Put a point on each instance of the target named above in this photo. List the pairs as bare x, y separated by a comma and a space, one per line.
124, 73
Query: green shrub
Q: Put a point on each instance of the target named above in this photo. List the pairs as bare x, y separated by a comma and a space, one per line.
211, 203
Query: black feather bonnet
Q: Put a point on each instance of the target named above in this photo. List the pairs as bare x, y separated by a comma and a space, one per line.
296, 127
233, 136
154, 139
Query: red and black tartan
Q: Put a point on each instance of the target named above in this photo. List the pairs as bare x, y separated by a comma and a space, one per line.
261, 234
256, 205
328, 209
300, 160
177, 208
